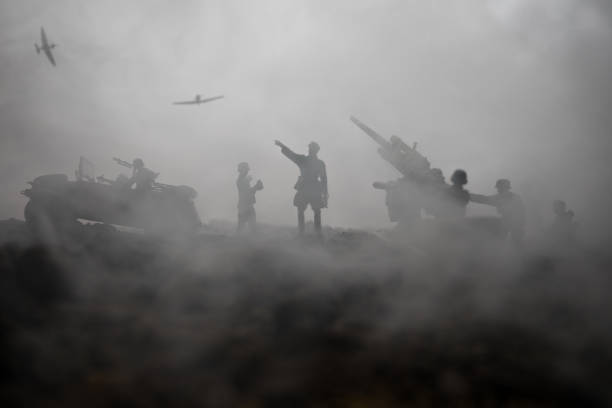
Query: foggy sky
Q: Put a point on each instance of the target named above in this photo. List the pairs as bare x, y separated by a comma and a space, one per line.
502, 88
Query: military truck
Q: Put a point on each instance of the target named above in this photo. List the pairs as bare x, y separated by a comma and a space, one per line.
57, 203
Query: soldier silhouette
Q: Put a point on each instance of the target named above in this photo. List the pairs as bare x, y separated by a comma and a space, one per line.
311, 186
509, 206
246, 198
142, 177
455, 197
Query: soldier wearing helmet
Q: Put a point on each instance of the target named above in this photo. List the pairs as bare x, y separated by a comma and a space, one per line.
142, 177
509, 206
311, 186
455, 197
246, 198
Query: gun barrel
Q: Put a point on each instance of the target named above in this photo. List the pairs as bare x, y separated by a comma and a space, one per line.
370, 132
122, 162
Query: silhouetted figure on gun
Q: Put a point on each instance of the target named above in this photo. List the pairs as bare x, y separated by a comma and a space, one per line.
246, 198
311, 186
509, 206
142, 178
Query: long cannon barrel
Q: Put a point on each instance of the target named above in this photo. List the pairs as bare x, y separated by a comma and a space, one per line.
370, 132
405, 159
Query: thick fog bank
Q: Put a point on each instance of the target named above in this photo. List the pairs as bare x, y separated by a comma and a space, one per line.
118, 318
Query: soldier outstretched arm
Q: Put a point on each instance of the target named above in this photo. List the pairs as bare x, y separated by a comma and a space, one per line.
291, 155
482, 199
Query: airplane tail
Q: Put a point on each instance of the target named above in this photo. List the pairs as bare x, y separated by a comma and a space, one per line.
37, 48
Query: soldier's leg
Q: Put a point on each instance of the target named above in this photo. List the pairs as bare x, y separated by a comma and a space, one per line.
300, 211
317, 220
241, 222
253, 221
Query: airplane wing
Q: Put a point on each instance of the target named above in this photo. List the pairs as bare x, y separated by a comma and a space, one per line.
43, 37
214, 98
185, 103
49, 55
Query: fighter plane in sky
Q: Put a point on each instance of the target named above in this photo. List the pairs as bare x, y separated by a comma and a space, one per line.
46, 47
198, 100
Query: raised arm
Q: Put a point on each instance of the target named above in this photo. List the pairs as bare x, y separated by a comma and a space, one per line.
291, 155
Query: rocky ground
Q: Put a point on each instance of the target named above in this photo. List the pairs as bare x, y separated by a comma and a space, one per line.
111, 318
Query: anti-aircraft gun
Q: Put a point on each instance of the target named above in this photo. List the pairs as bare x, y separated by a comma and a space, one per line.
420, 187
405, 159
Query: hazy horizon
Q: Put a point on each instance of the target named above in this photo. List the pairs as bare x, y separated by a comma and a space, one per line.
514, 89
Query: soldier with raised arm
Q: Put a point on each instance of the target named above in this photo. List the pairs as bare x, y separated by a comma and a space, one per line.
246, 198
311, 185
509, 206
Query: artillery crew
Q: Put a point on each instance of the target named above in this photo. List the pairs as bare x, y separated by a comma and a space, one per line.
246, 198
311, 186
455, 196
142, 178
509, 206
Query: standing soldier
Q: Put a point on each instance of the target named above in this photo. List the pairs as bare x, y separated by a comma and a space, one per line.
311, 186
455, 197
246, 198
509, 206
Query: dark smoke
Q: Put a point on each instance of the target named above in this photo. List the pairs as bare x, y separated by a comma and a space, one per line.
125, 319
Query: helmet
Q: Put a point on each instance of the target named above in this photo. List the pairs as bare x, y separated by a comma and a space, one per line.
459, 177
244, 166
314, 147
503, 184
138, 163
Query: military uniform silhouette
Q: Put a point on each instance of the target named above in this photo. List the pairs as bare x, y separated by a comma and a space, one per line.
509, 206
246, 198
311, 186
455, 198
142, 177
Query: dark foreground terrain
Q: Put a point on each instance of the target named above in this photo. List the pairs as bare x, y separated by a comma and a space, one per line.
108, 318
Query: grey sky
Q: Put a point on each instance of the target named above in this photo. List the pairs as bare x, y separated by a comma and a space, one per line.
514, 88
